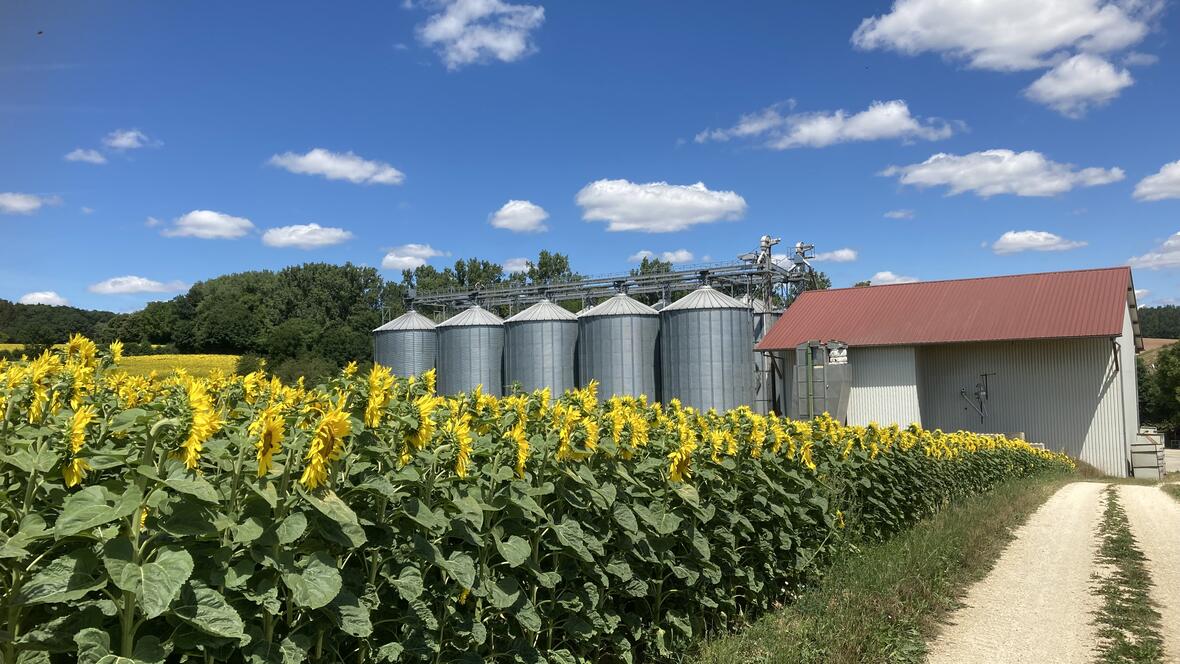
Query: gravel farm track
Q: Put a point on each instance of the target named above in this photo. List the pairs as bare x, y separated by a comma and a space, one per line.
1038, 603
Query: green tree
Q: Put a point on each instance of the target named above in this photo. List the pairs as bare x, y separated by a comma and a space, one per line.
1160, 322
550, 267
1159, 390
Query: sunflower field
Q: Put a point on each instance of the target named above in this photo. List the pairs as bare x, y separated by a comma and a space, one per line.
237, 519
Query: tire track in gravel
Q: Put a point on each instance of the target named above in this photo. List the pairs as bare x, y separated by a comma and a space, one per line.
1036, 605
1155, 523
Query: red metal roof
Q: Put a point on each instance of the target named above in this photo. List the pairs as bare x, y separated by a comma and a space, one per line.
1051, 305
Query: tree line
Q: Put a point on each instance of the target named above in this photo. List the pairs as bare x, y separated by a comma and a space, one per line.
308, 319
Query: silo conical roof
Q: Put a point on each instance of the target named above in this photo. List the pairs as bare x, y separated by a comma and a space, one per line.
705, 297
619, 305
755, 303
411, 320
473, 316
543, 310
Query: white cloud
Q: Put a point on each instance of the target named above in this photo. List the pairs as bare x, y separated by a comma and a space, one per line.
881, 120
88, 156
14, 203
1017, 241
992, 172
516, 265
133, 284
1078, 84
520, 217
886, 277
338, 166
1136, 59
44, 297
152, 222
675, 256
127, 139
844, 255
304, 236
656, 207
1007, 35
900, 214
1161, 185
409, 256
208, 225
1141, 293
1164, 256
470, 31
87, 210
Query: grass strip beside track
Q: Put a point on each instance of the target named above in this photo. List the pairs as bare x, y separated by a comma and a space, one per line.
1128, 624
883, 603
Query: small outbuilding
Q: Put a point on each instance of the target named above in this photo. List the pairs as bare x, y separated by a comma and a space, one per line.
1048, 356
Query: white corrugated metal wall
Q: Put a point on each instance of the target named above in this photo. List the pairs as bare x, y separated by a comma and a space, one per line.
1130, 393
1064, 393
884, 386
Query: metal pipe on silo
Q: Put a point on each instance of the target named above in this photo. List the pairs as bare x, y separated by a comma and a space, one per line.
408, 344
617, 346
539, 348
706, 351
470, 352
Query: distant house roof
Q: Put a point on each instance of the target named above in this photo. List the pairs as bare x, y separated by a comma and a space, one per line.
1050, 305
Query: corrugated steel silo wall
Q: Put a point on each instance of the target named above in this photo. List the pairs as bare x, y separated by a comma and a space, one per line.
470, 356
1063, 393
620, 353
884, 386
540, 354
706, 358
406, 352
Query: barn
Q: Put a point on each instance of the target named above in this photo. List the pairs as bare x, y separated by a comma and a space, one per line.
1050, 356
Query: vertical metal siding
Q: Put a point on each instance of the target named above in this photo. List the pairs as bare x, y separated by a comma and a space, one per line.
1062, 393
405, 352
785, 382
765, 365
620, 353
1130, 396
469, 356
884, 386
706, 357
540, 354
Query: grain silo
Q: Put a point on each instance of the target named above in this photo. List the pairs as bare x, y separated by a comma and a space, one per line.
706, 351
766, 368
539, 348
407, 344
617, 347
470, 350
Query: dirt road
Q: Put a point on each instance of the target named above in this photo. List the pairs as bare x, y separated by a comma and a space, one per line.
1155, 523
1036, 604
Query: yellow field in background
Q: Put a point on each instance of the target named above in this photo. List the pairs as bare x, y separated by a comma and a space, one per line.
197, 365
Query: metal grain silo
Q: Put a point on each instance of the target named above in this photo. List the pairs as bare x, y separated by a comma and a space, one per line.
706, 351
767, 370
407, 344
617, 346
470, 350
539, 348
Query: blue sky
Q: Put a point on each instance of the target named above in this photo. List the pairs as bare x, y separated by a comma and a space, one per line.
400, 130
